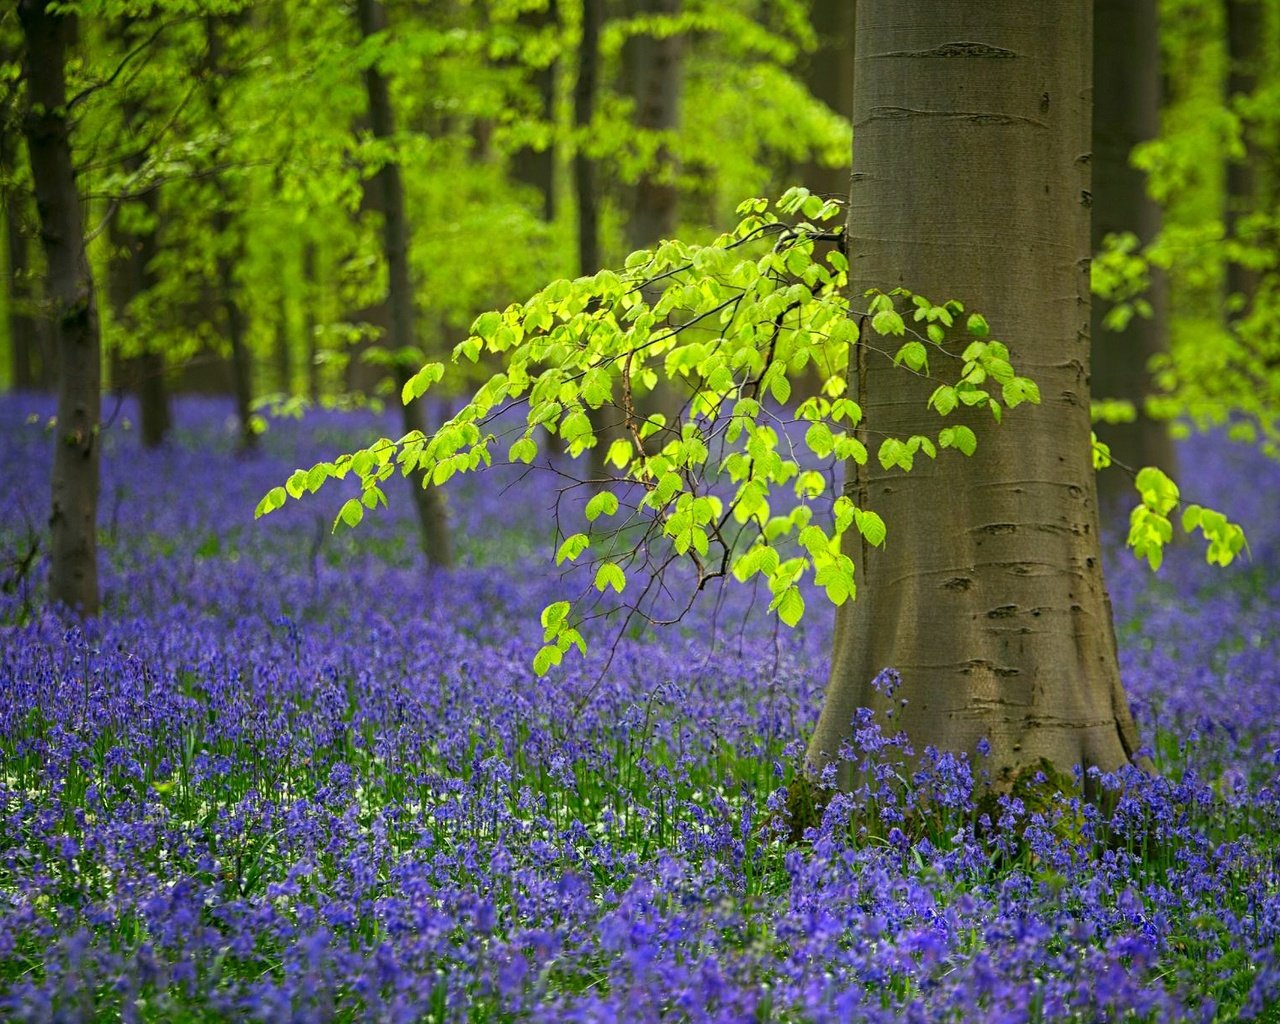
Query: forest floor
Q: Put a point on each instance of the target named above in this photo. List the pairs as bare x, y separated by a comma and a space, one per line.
290, 775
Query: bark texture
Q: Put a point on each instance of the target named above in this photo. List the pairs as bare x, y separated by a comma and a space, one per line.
971, 180
73, 565
389, 191
1126, 111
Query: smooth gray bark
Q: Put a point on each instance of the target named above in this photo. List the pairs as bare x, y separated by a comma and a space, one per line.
970, 181
1126, 111
73, 564
401, 331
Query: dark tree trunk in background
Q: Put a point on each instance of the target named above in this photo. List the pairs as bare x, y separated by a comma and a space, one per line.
1126, 111
395, 243
73, 565
1245, 31
537, 167
587, 199
830, 79
657, 71
141, 368
585, 189
309, 321
283, 357
31, 351
229, 250
970, 180
32, 362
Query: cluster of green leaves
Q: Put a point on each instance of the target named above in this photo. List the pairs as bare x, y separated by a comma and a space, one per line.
1150, 527
737, 331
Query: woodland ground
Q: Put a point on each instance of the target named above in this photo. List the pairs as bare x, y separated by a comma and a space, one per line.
294, 776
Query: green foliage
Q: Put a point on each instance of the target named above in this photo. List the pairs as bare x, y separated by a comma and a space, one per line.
739, 328
1150, 527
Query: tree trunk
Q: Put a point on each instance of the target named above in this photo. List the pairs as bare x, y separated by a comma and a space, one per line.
132, 275
537, 167
587, 197
1245, 31
227, 256
830, 79
971, 180
395, 244
309, 321
33, 361
657, 68
1126, 111
73, 566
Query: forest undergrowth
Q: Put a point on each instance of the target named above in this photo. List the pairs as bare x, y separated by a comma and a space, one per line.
290, 775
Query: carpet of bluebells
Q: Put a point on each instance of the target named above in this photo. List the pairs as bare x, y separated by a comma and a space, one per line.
290, 775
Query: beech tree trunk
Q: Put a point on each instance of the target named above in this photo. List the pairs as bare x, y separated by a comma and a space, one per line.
1126, 111
73, 564
432, 522
970, 181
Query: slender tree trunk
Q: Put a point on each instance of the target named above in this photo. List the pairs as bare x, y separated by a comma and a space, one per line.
1245, 31
971, 180
73, 567
830, 79
132, 276
309, 321
1126, 111
587, 198
585, 189
228, 255
29, 349
657, 66
395, 243
284, 356
537, 167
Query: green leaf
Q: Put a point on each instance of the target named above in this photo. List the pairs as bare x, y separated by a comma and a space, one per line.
977, 325
887, 321
271, 501
871, 526
914, 355
959, 437
524, 450
351, 513
818, 438
554, 614
572, 547
605, 503
545, 658
780, 388
790, 606
610, 574
943, 399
